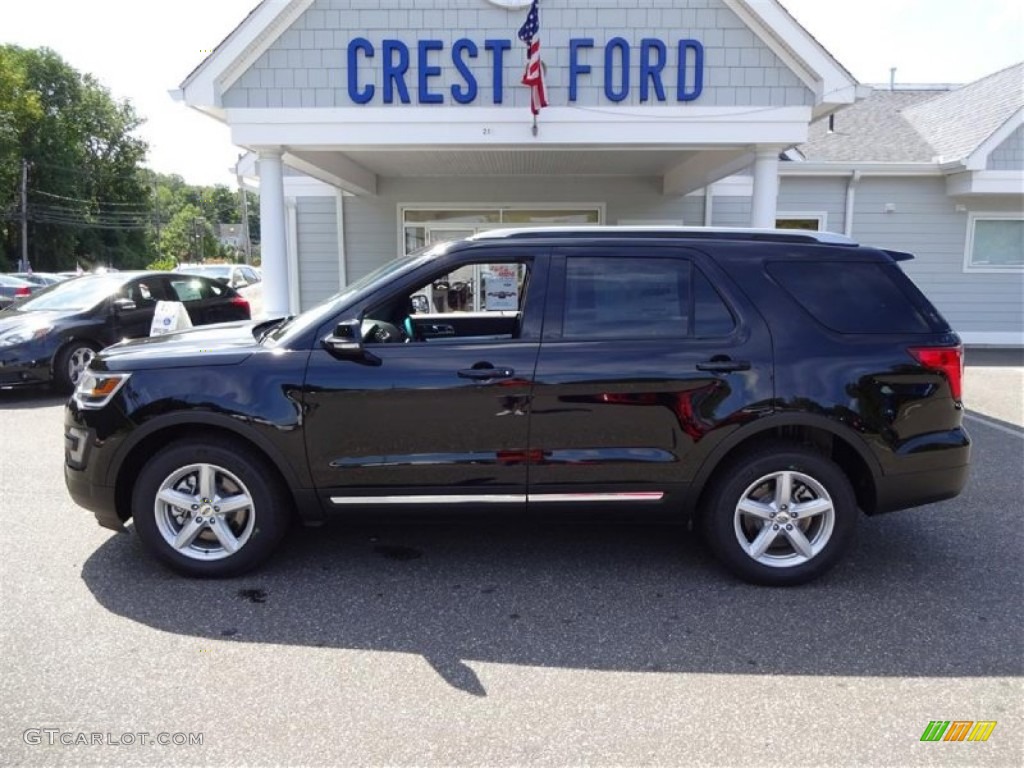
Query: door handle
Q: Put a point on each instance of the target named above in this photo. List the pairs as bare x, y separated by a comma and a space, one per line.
484, 374
722, 364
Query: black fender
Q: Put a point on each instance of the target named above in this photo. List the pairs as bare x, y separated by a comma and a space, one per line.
774, 421
297, 481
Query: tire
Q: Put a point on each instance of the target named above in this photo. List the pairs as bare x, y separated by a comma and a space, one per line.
749, 520
70, 363
200, 536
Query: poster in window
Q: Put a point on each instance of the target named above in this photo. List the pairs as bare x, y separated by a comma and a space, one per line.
502, 286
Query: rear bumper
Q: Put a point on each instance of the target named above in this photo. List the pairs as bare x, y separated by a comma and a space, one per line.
915, 489
938, 468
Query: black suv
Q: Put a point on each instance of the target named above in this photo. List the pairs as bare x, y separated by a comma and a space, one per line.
768, 384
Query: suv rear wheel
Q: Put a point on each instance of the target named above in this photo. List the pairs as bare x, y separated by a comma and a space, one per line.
780, 516
209, 508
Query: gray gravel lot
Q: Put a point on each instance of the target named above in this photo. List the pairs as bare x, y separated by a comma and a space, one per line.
499, 642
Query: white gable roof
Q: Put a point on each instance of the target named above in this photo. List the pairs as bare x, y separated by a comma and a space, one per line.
832, 85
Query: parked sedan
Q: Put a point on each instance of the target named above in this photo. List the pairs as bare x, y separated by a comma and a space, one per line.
40, 278
245, 279
13, 288
53, 335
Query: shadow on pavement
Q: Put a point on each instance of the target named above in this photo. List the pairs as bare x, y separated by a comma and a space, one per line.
22, 398
920, 595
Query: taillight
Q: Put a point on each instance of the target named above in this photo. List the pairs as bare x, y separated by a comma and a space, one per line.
22, 290
238, 301
948, 360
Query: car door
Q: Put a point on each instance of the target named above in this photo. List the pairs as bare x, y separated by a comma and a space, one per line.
648, 358
133, 320
435, 421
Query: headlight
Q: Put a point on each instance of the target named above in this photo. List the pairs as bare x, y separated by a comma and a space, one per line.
23, 334
94, 390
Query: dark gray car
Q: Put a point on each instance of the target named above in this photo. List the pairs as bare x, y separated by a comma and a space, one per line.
13, 288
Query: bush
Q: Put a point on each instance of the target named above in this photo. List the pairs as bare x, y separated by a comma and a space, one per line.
165, 264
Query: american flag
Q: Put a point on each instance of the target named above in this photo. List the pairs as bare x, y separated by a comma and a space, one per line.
533, 77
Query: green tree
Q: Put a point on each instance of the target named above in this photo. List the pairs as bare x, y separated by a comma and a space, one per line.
218, 204
88, 199
189, 237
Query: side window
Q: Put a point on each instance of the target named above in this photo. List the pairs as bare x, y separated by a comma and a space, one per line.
250, 275
712, 317
477, 301
627, 298
191, 289
851, 297
143, 293
497, 287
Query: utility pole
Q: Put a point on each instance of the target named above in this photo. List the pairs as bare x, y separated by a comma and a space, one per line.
156, 209
24, 216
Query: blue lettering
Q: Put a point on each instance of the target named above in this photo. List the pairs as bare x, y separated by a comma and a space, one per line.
426, 71
467, 95
365, 95
394, 72
650, 71
499, 47
685, 46
609, 84
575, 68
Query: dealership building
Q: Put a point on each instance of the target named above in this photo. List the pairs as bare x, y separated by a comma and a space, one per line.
377, 126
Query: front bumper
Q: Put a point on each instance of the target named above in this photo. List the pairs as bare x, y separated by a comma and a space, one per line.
86, 470
98, 499
25, 364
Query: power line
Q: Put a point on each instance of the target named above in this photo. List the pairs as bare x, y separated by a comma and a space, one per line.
90, 202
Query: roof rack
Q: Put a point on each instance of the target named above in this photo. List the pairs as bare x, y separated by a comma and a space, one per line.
694, 233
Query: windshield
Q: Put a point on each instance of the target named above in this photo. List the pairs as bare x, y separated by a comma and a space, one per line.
73, 295
311, 318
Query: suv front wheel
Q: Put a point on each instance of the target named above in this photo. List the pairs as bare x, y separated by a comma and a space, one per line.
780, 516
209, 508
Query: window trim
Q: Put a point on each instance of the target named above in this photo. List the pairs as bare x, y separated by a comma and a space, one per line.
972, 219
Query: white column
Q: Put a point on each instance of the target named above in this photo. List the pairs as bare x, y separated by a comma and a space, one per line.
766, 189
273, 236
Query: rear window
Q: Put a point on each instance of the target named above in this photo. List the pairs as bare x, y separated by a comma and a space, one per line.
852, 297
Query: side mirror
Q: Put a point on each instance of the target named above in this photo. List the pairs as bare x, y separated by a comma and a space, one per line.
346, 339
420, 305
123, 305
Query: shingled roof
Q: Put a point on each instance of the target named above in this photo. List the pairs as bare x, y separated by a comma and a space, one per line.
956, 123
872, 130
920, 125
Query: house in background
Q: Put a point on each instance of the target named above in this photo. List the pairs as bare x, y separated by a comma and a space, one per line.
938, 172
374, 131
230, 235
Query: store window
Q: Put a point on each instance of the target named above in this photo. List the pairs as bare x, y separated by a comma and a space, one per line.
995, 243
424, 226
814, 222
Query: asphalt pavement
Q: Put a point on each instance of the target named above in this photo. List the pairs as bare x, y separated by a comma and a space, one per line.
509, 642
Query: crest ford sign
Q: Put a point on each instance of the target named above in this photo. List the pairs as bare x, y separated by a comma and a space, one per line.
653, 66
